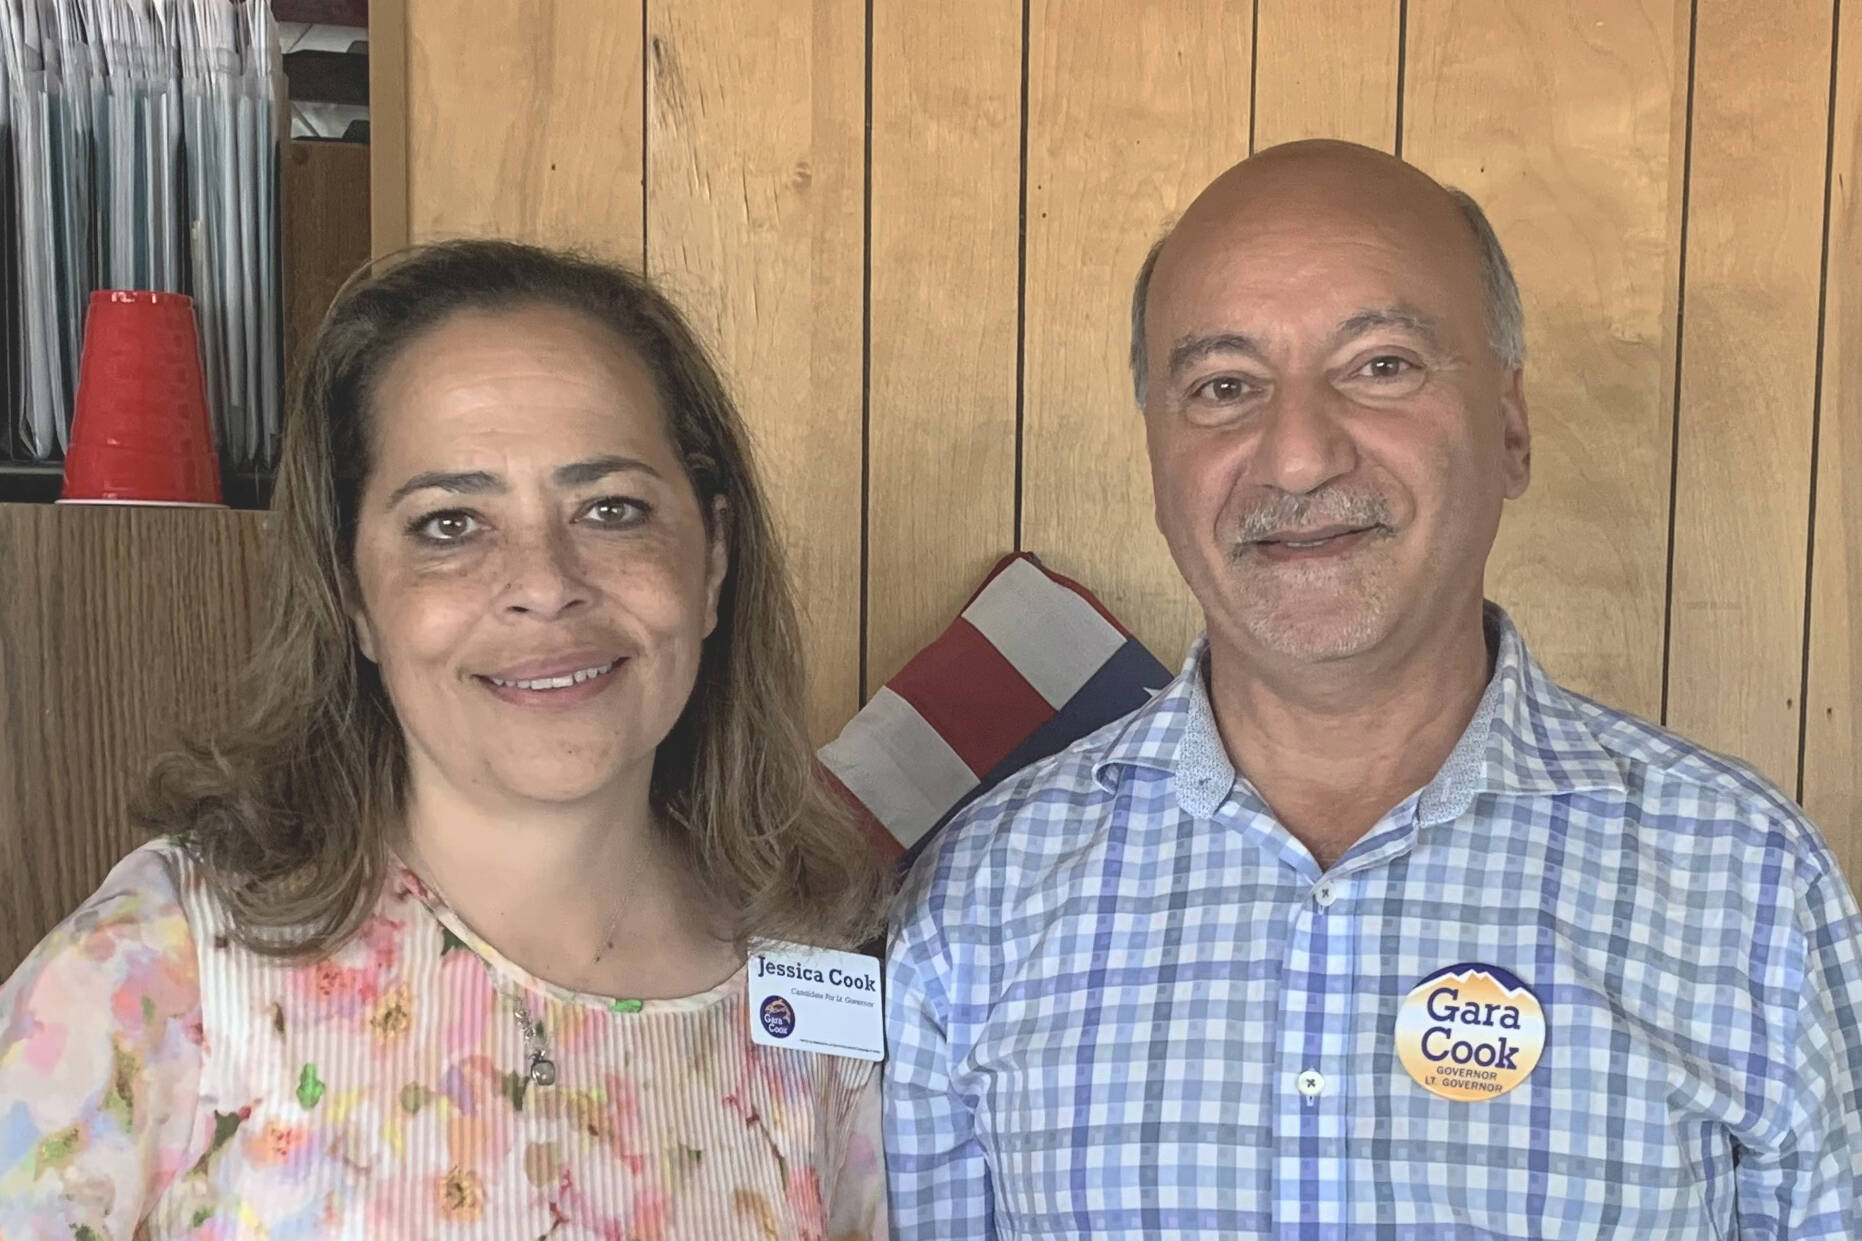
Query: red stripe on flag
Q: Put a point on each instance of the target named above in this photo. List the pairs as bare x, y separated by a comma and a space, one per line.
972, 697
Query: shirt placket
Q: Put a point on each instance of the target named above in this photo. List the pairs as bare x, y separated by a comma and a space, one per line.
1310, 1181
1313, 1172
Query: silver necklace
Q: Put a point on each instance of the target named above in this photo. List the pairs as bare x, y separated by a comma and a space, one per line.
607, 939
538, 1066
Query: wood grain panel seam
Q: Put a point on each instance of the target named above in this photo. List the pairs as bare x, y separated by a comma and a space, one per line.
1021, 286
1254, 72
1402, 70
1674, 429
1816, 398
646, 130
866, 371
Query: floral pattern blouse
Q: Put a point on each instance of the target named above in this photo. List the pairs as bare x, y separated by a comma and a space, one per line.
157, 1080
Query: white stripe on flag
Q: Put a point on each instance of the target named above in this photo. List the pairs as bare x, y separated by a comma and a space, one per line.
898, 766
1053, 637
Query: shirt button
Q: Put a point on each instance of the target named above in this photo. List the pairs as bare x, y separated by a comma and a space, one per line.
1325, 894
1312, 1083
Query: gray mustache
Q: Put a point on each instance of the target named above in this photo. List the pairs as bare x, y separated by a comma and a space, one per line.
1304, 512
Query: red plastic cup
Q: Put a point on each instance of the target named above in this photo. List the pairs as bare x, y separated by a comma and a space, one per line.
140, 433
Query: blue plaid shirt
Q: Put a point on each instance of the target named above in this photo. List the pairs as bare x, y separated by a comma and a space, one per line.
1125, 1002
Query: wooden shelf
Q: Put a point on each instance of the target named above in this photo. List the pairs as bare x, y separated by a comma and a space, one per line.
119, 625
322, 12
40, 484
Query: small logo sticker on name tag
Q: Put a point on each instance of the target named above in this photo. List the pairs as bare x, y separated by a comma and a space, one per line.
816, 999
1470, 1032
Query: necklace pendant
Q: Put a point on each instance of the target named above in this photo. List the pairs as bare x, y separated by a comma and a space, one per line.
538, 1067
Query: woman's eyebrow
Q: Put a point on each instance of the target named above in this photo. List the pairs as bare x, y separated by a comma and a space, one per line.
459, 482
481, 482
597, 468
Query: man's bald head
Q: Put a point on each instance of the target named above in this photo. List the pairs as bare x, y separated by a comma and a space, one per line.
1317, 175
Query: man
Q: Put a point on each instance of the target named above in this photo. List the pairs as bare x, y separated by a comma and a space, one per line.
1363, 928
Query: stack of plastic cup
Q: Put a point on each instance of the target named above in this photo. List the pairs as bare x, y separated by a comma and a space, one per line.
140, 433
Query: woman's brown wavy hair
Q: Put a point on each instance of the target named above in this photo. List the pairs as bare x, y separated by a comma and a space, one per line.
289, 807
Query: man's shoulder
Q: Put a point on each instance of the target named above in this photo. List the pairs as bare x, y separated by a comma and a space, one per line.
1681, 783
1056, 805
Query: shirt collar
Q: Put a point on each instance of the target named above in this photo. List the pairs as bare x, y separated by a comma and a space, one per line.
1527, 736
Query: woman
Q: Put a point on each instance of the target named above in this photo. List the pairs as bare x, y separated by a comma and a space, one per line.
447, 936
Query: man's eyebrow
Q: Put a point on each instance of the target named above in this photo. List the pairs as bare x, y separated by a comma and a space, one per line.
1401, 318
1193, 349
595, 469
459, 482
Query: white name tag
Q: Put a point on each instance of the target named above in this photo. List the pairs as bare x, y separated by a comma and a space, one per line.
816, 999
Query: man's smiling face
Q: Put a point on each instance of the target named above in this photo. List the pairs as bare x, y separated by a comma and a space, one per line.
1331, 433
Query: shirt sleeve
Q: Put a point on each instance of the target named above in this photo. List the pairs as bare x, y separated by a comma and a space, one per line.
100, 1055
1808, 1184
937, 1169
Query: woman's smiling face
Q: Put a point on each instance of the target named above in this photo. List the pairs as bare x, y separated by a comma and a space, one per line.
536, 576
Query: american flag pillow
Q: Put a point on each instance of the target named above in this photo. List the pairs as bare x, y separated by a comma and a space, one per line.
1032, 664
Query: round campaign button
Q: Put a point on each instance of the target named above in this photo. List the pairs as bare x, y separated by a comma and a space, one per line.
1470, 1032
778, 1017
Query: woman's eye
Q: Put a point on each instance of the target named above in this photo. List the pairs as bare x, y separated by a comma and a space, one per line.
614, 511
448, 527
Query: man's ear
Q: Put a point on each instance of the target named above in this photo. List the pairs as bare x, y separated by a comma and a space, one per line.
1516, 444
717, 560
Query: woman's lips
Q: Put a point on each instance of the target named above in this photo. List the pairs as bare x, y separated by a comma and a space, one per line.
556, 682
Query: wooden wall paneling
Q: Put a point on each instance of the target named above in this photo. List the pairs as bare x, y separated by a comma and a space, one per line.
388, 162
1326, 69
1748, 379
1833, 727
756, 175
326, 232
116, 626
943, 295
1567, 121
1132, 108
525, 121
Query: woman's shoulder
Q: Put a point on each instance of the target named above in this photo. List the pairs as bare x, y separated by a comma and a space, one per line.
100, 1054
139, 908
158, 872
132, 934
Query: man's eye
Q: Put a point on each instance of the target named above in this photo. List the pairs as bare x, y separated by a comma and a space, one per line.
447, 527
1386, 368
1223, 388
615, 511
